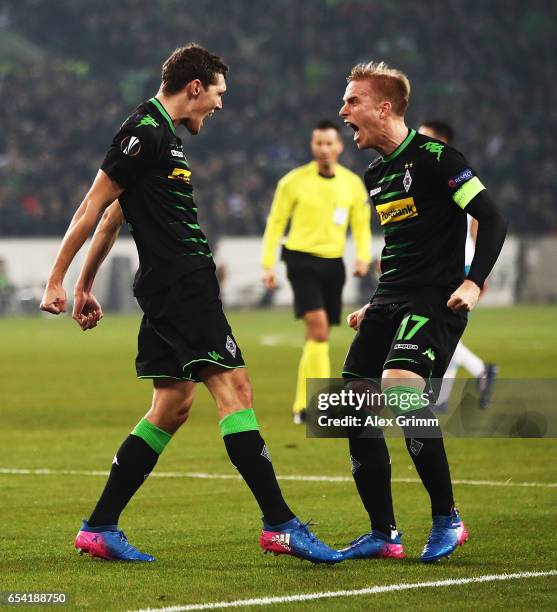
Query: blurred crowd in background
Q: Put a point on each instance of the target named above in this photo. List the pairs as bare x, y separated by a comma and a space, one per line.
71, 71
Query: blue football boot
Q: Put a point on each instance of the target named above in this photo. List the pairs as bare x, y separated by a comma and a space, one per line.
447, 532
107, 542
374, 545
294, 538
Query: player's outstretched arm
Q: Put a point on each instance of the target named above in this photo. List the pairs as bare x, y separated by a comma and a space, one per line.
87, 311
102, 193
360, 224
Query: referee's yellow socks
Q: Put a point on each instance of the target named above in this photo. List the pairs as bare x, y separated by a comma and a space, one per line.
315, 363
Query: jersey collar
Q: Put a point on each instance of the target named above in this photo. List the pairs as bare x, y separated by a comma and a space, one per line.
401, 146
316, 169
164, 114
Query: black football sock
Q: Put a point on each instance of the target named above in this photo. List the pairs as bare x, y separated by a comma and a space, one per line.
249, 455
133, 462
371, 469
430, 459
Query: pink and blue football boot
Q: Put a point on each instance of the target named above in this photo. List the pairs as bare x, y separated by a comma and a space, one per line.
375, 545
447, 532
294, 538
107, 542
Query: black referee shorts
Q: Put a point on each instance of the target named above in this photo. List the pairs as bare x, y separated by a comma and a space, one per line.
415, 335
184, 329
317, 282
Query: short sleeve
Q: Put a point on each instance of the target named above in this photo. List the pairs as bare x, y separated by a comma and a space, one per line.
459, 179
132, 151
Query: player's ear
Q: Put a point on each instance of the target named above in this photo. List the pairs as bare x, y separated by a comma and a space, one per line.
385, 109
193, 88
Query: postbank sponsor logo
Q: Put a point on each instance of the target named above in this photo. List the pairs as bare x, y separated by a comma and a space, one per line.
180, 174
397, 211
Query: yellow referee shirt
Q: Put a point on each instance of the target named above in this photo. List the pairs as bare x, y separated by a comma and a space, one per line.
319, 210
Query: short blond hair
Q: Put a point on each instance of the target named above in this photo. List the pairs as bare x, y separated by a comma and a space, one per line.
392, 84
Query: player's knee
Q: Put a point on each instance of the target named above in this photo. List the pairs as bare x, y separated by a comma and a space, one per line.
392, 377
319, 335
318, 331
171, 408
317, 326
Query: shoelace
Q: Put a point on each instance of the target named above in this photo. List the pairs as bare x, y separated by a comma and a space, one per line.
311, 536
436, 534
124, 541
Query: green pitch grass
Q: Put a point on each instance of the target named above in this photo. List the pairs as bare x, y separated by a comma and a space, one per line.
69, 398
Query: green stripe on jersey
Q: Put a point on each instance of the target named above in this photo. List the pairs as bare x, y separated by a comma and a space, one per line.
208, 254
163, 112
403, 254
390, 177
399, 246
400, 226
390, 194
200, 240
184, 195
468, 192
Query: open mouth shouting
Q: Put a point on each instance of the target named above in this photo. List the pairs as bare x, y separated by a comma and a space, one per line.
355, 128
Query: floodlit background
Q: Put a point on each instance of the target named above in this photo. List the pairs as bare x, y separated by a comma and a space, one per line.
70, 72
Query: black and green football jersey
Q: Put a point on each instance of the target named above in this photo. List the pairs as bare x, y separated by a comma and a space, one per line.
147, 160
420, 192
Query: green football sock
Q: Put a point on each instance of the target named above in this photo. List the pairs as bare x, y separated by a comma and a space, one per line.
154, 436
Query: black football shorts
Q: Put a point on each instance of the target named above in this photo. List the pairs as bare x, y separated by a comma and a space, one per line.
317, 283
184, 329
414, 335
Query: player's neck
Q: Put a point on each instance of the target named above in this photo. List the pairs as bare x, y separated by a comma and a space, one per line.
171, 105
391, 138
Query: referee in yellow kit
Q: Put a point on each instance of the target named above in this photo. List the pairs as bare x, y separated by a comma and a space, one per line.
319, 199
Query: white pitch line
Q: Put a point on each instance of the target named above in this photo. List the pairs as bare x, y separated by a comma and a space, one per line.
387, 588
294, 478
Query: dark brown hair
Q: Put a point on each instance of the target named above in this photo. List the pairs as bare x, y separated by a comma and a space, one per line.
189, 63
326, 124
441, 128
